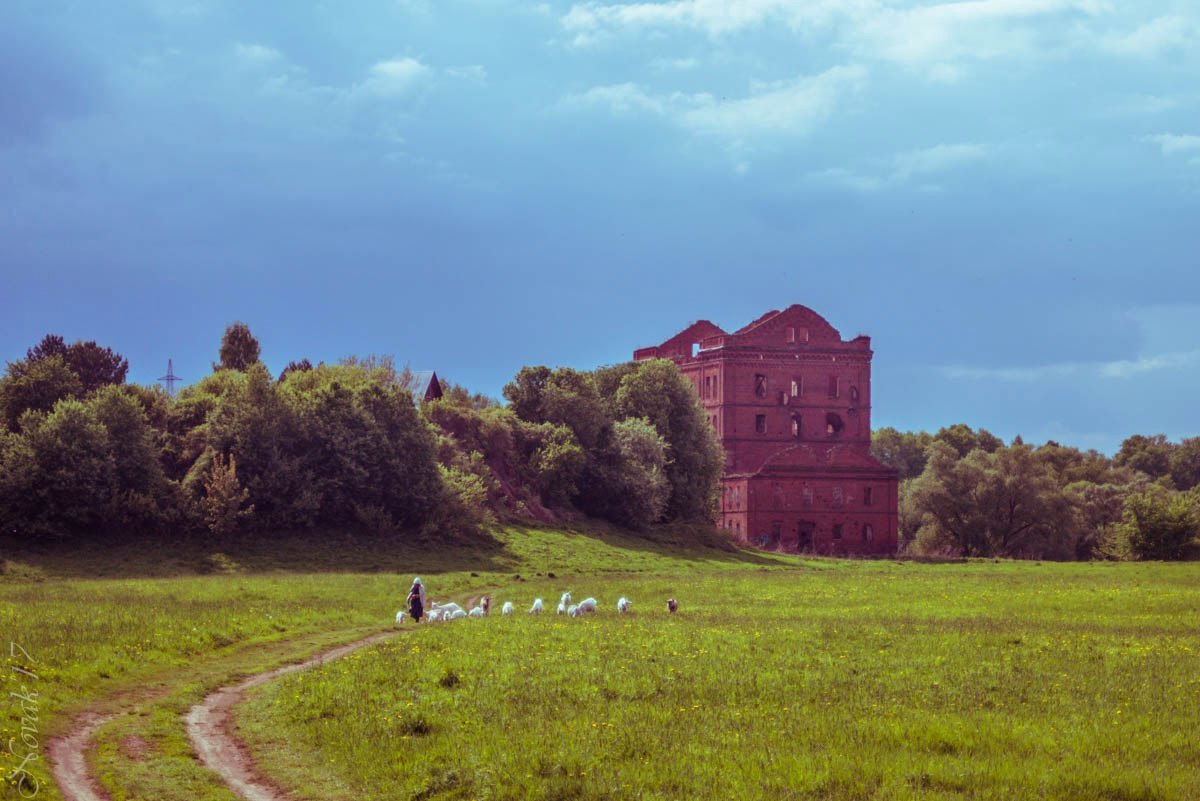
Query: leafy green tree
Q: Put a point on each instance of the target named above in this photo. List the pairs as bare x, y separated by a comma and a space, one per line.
224, 497
239, 348
96, 366
1185, 464
35, 384
963, 439
641, 480
1151, 455
1005, 503
57, 476
904, 451
657, 392
1160, 524
562, 397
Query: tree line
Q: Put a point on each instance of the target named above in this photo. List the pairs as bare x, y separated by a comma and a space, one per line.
83, 454
965, 492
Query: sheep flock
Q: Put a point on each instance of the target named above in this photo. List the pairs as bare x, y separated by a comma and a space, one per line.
439, 612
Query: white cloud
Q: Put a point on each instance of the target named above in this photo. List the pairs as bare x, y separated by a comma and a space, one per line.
474, 73
791, 107
592, 20
395, 77
620, 98
1153, 38
675, 63
1172, 144
1119, 369
904, 168
257, 53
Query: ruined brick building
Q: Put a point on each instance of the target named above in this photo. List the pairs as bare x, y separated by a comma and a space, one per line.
791, 404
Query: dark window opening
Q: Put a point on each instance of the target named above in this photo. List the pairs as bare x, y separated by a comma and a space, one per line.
833, 425
866, 496
708, 386
760, 423
838, 498
834, 386
797, 387
837, 531
805, 529
797, 428
854, 394
868, 532
760, 386
791, 334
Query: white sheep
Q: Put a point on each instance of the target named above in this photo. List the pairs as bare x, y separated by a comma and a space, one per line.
507, 609
573, 611
536, 609
455, 615
450, 607
477, 612
587, 605
623, 605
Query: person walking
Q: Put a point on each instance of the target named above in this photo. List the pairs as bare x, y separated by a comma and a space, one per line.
416, 600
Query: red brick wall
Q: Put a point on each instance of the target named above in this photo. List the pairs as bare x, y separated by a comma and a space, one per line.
745, 383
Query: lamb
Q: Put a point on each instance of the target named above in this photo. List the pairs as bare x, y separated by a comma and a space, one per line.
672, 605
623, 605
507, 609
587, 605
400, 616
563, 603
536, 609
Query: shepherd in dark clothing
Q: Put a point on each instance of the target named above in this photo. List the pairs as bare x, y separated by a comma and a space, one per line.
416, 600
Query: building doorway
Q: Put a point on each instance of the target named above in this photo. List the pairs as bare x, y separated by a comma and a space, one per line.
805, 531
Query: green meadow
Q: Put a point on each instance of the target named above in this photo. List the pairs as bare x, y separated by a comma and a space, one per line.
779, 677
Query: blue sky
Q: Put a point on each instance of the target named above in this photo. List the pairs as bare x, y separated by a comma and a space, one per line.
1005, 194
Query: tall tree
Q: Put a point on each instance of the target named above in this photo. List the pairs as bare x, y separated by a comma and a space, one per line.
95, 365
1161, 524
1006, 503
1151, 455
239, 348
658, 392
35, 384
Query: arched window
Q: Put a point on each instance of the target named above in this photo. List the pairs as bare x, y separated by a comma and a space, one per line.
833, 425
797, 428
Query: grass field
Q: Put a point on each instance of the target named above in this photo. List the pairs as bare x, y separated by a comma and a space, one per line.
146, 630
843, 680
780, 678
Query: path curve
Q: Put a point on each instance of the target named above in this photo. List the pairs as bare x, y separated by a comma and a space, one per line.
208, 725
210, 728
68, 764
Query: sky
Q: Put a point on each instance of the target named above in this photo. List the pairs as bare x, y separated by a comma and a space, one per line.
1004, 194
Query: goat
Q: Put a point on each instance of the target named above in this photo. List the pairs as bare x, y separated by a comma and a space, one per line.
623, 605
587, 605
507, 609
672, 605
450, 607
536, 609
564, 603
574, 611
456, 614
434, 616
400, 616
478, 611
